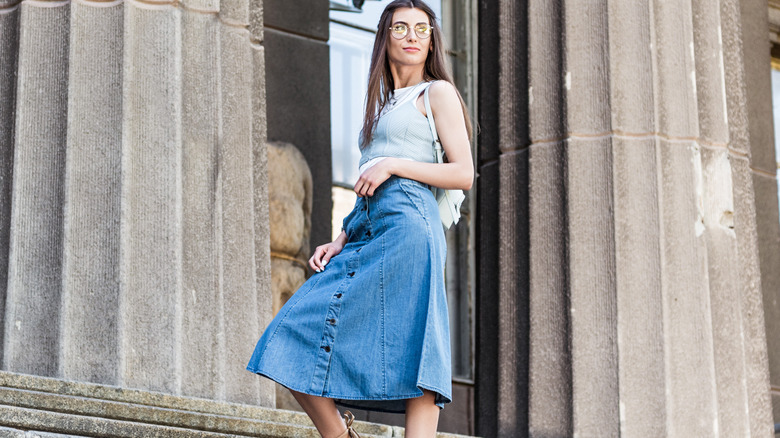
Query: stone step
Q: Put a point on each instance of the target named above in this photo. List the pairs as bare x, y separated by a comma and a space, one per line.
34, 403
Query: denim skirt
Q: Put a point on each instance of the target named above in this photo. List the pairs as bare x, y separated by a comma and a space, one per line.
372, 329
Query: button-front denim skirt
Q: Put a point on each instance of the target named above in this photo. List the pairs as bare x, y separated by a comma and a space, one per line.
372, 329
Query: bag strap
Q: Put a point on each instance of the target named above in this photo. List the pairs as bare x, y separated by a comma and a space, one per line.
436, 142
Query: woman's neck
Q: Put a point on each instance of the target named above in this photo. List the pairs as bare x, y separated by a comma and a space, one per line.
406, 76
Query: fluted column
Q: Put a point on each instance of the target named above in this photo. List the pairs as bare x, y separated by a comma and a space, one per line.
9, 46
90, 285
151, 248
136, 227
637, 268
32, 314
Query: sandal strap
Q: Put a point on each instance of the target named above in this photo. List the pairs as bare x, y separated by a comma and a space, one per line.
350, 432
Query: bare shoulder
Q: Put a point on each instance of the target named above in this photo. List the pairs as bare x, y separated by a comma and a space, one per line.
443, 95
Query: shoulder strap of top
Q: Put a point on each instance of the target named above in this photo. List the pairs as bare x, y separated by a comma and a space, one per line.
429, 114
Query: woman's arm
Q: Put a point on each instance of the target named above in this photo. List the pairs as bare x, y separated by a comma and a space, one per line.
457, 173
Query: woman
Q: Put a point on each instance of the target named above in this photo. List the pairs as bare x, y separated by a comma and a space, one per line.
369, 329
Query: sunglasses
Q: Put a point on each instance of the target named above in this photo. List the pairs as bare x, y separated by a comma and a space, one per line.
401, 30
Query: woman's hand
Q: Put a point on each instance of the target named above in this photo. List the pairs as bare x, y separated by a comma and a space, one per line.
323, 253
374, 176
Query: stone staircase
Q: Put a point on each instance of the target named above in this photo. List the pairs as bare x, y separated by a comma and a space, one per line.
32, 406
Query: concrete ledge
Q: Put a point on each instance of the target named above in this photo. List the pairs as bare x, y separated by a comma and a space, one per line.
50, 405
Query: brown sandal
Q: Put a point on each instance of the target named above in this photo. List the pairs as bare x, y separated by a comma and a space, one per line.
350, 432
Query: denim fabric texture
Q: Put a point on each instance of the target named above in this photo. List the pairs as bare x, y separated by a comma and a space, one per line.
372, 329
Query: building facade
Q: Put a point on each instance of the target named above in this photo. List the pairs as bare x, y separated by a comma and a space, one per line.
617, 268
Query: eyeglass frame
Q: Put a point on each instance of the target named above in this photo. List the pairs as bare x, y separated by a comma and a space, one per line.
408, 28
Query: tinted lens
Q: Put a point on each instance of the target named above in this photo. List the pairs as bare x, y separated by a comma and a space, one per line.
423, 30
399, 31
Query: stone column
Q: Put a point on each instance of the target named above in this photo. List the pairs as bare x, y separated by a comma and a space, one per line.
627, 223
136, 227
32, 313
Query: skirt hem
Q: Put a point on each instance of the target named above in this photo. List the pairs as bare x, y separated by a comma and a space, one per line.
344, 400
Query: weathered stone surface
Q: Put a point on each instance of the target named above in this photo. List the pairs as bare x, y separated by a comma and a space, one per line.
750, 294
640, 332
757, 82
709, 74
260, 184
9, 45
769, 252
674, 68
240, 320
70, 408
545, 78
151, 199
724, 288
286, 277
235, 13
550, 373
591, 278
90, 301
691, 400
290, 199
32, 311
513, 311
200, 370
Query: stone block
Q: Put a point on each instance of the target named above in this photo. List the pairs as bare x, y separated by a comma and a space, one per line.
545, 78
209, 7
240, 320
90, 287
235, 13
513, 294
512, 81
298, 100
587, 62
756, 49
691, 401
35, 257
290, 185
725, 291
9, 45
630, 75
591, 281
674, 66
748, 269
151, 198
549, 377
769, 258
260, 190
256, 20
709, 74
734, 76
301, 17
638, 281
200, 303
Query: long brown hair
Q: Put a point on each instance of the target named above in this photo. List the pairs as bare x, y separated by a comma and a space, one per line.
380, 79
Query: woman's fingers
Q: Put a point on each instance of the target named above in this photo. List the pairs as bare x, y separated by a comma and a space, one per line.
328, 254
314, 261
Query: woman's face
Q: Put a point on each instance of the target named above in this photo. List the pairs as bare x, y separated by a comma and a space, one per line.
411, 49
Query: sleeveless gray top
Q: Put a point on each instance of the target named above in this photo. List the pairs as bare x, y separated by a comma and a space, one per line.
402, 132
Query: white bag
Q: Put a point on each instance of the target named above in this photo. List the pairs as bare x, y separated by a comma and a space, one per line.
449, 200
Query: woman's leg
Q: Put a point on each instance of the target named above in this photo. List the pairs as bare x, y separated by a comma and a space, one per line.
422, 416
323, 414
